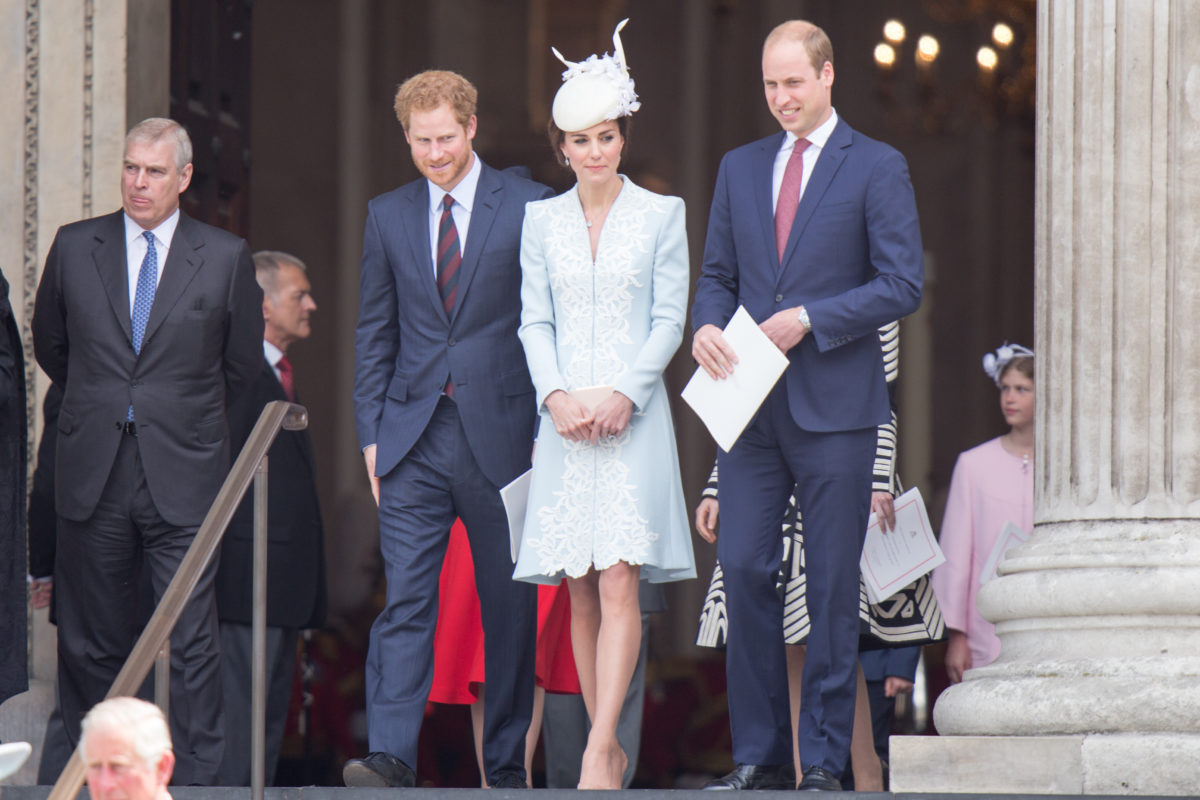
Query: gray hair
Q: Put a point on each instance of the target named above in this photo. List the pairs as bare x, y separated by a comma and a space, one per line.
267, 264
142, 722
157, 128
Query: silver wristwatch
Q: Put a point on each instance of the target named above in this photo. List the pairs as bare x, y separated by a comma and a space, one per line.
803, 317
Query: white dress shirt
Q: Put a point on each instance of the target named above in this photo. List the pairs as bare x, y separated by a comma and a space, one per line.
135, 249
464, 202
816, 143
273, 354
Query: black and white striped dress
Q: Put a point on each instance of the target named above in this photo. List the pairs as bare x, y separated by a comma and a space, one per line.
910, 617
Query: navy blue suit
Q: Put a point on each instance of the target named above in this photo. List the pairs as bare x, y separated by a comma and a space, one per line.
854, 261
438, 458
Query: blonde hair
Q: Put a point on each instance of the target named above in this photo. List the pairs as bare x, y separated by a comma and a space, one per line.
142, 722
428, 90
816, 42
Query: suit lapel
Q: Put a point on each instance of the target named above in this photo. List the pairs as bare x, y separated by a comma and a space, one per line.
416, 226
828, 162
488, 194
764, 179
299, 439
112, 264
183, 262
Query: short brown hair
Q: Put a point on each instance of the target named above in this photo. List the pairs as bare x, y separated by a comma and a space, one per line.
428, 90
815, 40
557, 136
1022, 364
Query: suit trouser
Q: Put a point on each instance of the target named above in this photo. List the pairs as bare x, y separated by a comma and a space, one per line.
832, 473
437, 481
236, 661
96, 574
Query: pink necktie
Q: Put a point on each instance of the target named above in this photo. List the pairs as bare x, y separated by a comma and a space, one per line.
789, 196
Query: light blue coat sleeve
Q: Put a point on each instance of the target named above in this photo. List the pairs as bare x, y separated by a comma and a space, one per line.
669, 293
537, 331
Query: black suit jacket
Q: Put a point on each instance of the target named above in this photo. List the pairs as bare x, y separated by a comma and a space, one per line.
296, 547
202, 346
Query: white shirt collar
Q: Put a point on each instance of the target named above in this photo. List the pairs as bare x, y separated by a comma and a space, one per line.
817, 138
463, 193
272, 353
164, 233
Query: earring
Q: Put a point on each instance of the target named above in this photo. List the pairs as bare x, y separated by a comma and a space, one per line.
566, 161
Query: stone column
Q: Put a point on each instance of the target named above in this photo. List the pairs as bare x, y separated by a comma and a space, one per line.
1097, 687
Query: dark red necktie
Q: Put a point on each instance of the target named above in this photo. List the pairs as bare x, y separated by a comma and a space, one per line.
449, 257
789, 196
285, 378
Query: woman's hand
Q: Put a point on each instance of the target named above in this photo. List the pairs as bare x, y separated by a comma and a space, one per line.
571, 418
884, 510
611, 417
958, 656
706, 519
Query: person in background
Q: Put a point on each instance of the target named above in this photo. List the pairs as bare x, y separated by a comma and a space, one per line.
459, 673
126, 750
991, 488
295, 537
14, 677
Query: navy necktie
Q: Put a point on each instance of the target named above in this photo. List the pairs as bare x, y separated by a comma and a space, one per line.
143, 299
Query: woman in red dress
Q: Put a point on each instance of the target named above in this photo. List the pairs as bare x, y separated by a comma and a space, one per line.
458, 673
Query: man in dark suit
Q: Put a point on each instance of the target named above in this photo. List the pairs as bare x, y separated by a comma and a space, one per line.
151, 322
295, 548
445, 412
815, 232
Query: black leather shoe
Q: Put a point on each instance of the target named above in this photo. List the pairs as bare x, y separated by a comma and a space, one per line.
510, 780
752, 776
382, 770
819, 780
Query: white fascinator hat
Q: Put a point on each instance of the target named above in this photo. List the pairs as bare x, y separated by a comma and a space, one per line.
595, 90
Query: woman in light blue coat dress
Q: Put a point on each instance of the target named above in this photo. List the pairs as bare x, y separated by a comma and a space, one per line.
604, 289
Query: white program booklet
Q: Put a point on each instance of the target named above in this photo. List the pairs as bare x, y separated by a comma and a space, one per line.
1011, 536
726, 406
515, 497
892, 560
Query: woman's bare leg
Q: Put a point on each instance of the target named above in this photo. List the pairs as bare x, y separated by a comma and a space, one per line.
615, 655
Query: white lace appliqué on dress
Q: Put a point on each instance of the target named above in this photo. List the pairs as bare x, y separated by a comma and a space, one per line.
595, 519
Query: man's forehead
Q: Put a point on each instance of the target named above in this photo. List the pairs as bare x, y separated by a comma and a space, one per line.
148, 152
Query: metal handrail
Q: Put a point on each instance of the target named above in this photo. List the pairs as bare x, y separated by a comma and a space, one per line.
250, 464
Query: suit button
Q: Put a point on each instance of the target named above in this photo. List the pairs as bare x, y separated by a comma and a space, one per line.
778, 298
452, 342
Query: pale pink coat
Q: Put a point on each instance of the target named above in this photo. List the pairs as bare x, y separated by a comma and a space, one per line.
990, 488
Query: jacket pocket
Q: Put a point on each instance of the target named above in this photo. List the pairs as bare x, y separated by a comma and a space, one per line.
516, 382
210, 431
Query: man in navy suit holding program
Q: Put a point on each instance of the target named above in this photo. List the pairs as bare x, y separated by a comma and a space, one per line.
814, 230
445, 412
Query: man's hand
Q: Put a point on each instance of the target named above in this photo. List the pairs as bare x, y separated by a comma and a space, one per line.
958, 656
706, 519
784, 328
611, 417
369, 458
894, 685
884, 510
713, 353
571, 418
40, 591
